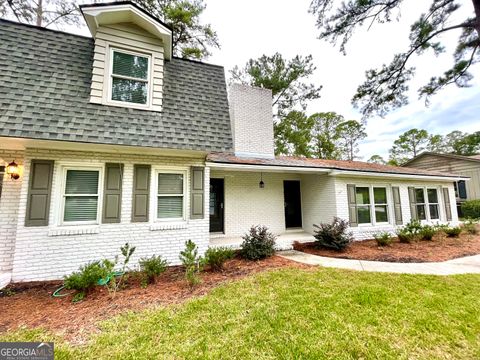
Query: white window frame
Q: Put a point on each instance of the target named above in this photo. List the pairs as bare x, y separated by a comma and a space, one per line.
154, 193
61, 200
427, 203
149, 80
373, 219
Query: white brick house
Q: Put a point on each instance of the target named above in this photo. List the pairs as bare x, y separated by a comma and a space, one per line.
115, 140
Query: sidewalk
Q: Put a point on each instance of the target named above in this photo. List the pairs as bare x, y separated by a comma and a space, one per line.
465, 265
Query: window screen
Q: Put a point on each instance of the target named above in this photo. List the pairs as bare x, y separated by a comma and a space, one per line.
129, 78
81, 195
170, 196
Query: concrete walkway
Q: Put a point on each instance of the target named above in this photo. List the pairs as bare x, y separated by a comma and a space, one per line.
465, 265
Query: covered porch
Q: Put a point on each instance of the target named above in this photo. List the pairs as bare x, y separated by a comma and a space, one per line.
289, 201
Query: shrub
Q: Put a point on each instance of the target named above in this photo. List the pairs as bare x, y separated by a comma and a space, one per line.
258, 243
383, 238
470, 226
453, 231
152, 267
471, 209
192, 262
216, 257
87, 276
405, 236
427, 232
414, 227
334, 235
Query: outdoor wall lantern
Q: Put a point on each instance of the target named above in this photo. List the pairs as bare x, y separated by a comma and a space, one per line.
13, 170
261, 184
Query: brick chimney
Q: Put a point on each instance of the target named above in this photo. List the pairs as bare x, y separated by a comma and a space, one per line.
252, 121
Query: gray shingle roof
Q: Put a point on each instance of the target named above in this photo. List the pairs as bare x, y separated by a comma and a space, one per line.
45, 90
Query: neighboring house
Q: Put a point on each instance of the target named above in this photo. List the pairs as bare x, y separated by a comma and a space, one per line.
118, 141
468, 166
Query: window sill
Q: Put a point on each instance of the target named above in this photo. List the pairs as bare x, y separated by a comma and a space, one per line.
70, 230
169, 226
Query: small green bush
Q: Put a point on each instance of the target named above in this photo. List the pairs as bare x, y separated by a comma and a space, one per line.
470, 226
216, 257
258, 243
427, 232
383, 238
471, 209
414, 227
88, 275
152, 267
406, 236
192, 262
454, 231
333, 235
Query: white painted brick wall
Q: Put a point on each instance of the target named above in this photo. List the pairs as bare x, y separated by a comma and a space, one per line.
252, 120
363, 232
9, 202
41, 256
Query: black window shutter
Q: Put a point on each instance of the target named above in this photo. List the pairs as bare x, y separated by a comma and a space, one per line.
39, 193
462, 189
112, 193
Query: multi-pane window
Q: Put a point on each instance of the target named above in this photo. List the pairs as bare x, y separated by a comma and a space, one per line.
420, 204
363, 205
381, 204
129, 77
80, 197
170, 196
372, 204
433, 207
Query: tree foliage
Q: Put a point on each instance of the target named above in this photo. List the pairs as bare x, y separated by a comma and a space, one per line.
191, 39
409, 144
293, 134
41, 12
350, 133
288, 80
377, 159
386, 88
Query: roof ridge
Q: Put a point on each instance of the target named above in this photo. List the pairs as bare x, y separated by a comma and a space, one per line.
44, 28
197, 62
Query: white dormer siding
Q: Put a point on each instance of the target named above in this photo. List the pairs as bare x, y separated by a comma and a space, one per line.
252, 121
130, 38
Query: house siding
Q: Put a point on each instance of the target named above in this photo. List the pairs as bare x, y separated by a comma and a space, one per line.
129, 37
363, 232
454, 166
50, 252
9, 204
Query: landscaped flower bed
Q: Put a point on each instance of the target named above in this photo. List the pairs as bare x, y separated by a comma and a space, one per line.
440, 248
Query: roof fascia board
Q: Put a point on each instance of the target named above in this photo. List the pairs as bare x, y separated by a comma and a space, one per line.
265, 168
344, 173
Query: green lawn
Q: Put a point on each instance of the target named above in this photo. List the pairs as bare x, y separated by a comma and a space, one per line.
301, 314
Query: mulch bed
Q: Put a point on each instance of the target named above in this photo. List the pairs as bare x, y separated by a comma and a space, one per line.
441, 248
32, 304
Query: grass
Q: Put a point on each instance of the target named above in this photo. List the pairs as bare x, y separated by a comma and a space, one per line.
301, 314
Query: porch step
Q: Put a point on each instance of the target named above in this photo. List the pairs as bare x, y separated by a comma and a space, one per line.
284, 241
5, 278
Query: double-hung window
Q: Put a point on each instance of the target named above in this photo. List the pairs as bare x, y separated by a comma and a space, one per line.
433, 208
372, 204
81, 196
171, 196
420, 203
129, 77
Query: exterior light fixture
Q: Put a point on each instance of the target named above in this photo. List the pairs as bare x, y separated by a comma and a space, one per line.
261, 184
13, 170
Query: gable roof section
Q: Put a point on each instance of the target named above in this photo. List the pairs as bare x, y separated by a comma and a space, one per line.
341, 165
45, 92
475, 158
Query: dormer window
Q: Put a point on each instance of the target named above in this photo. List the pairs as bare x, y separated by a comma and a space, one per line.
130, 77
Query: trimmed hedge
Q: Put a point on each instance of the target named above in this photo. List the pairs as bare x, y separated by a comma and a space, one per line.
471, 209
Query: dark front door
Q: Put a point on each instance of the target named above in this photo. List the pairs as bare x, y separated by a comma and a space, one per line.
216, 205
293, 204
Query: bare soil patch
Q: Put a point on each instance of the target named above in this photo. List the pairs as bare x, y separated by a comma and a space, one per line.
441, 248
32, 304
